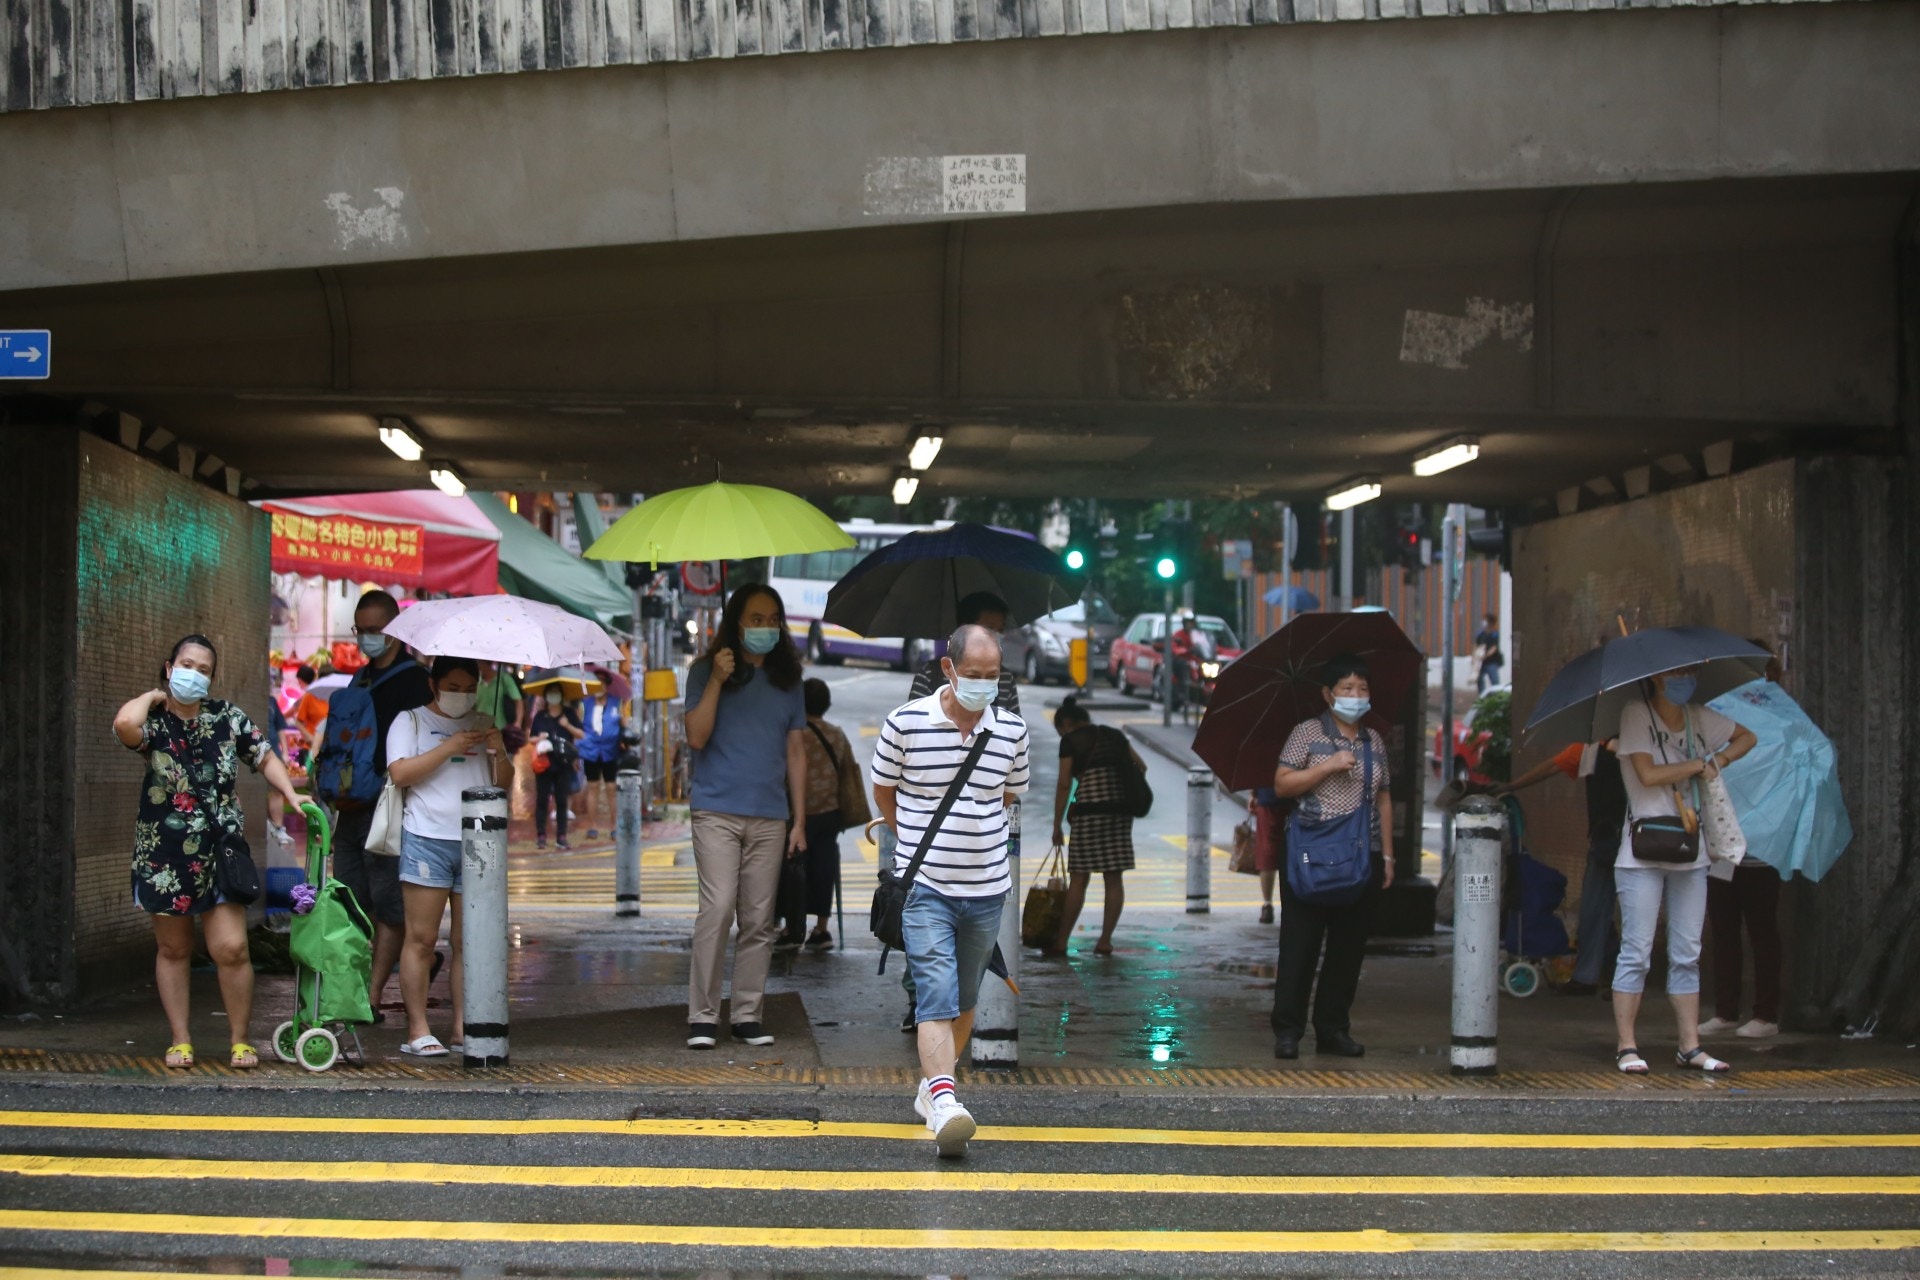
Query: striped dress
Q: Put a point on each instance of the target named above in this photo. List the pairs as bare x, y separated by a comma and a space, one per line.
1099, 841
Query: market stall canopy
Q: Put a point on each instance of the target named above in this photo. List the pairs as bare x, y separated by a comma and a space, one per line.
417, 538
535, 566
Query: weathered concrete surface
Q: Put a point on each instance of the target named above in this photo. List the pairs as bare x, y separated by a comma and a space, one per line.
629, 155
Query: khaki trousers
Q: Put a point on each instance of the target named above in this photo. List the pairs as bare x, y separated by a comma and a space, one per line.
738, 860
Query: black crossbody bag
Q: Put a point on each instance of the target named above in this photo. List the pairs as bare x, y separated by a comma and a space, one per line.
235, 875
1670, 840
890, 898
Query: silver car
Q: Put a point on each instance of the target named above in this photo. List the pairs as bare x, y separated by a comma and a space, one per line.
1039, 650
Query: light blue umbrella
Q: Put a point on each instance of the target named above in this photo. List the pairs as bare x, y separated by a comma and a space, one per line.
1786, 790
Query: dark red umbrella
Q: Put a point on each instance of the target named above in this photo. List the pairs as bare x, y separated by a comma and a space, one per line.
1276, 684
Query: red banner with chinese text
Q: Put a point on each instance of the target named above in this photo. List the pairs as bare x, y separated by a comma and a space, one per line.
348, 547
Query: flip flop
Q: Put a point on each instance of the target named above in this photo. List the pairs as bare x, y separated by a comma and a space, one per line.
180, 1056
1630, 1062
1699, 1059
426, 1046
244, 1057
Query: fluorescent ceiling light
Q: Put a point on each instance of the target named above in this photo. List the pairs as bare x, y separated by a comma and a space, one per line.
1354, 492
904, 487
394, 435
924, 451
1445, 457
447, 480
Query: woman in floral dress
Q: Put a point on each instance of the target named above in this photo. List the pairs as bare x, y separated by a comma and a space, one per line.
194, 746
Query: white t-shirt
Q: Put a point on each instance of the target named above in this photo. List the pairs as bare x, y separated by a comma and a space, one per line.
919, 752
433, 803
1641, 734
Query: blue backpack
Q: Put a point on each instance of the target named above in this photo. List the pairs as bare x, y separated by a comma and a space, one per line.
1330, 863
344, 769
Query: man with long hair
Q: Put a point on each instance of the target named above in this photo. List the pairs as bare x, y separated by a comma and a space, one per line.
746, 717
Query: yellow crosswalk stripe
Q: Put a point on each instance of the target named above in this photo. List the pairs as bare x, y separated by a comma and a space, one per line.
942, 1181
149, 1122
1044, 1241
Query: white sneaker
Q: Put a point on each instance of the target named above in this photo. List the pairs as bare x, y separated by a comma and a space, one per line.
952, 1124
1758, 1030
923, 1104
1717, 1026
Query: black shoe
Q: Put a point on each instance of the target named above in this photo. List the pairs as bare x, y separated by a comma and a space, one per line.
751, 1033
1287, 1047
820, 940
1577, 988
1266, 913
702, 1035
1338, 1043
788, 942
908, 1024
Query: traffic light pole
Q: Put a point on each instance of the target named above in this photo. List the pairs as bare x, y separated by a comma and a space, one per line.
1166, 664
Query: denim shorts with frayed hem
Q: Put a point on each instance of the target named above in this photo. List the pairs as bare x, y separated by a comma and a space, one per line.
948, 943
428, 862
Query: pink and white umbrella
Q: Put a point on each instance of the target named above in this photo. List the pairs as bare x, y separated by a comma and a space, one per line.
503, 629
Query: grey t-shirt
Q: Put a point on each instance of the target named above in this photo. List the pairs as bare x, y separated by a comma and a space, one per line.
743, 768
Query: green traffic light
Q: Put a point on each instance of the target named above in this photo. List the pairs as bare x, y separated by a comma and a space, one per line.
1076, 558
1166, 568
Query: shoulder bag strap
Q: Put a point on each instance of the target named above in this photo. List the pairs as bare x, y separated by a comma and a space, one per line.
946, 806
833, 757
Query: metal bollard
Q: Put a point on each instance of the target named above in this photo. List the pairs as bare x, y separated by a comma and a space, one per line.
629, 807
1479, 828
483, 922
996, 1017
1199, 842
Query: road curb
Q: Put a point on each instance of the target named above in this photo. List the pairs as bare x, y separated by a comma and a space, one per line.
1186, 760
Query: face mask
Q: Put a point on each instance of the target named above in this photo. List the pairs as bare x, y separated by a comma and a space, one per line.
555, 698
975, 695
188, 685
760, 640
1351, 709
1680, 689
456, 705
373, 645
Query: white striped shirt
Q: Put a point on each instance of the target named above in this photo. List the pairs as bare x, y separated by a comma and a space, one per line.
918, 752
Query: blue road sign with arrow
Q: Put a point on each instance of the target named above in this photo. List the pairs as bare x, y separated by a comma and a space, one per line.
26, 353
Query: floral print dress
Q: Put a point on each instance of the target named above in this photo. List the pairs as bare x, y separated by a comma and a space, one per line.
187, 801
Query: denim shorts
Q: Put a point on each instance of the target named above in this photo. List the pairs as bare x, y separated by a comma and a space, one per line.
948, 943
429, 862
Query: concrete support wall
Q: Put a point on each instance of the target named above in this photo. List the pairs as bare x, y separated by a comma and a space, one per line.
110, 558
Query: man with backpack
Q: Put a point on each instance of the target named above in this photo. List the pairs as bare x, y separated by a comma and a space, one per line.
351, 768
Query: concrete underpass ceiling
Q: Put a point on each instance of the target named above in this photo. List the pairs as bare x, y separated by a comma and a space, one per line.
1256, 350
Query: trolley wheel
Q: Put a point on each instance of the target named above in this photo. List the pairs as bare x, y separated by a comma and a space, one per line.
1520, 978
317, 1049
285, 1037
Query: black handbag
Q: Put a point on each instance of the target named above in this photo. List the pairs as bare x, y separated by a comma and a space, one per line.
235, 877
890, 898
1667, 839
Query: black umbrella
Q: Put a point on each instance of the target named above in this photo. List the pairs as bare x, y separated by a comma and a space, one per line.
1582, 703
913, 587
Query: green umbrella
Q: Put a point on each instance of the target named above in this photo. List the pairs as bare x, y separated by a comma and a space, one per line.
719, 521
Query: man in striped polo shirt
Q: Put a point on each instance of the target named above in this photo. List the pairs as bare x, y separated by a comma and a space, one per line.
952, 916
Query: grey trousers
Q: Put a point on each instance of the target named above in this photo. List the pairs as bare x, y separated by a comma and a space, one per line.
738, 861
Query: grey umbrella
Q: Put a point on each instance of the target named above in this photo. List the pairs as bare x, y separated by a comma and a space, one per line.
1582, 703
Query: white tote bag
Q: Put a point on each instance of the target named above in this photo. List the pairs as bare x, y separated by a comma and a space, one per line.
385, 834
1725, 841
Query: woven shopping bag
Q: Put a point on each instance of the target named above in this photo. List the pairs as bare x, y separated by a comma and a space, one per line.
1046, 900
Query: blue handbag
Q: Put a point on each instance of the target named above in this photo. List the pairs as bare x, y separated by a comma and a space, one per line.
1330, 863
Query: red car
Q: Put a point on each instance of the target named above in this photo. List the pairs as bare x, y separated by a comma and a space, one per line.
1134, 661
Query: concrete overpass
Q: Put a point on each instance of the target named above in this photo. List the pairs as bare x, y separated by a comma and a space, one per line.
1267, 256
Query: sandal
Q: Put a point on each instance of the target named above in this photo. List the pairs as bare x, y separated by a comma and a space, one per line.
1103, 949
180, 1056
244, 1056
1630, 1062
1698, 1059
427, 1046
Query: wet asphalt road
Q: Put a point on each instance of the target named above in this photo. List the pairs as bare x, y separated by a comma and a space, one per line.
832, 1182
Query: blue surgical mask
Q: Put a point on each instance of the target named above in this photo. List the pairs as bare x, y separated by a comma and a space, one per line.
1351, 709
373, 644
975, 695
760, 640
188, 685
1680, 689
